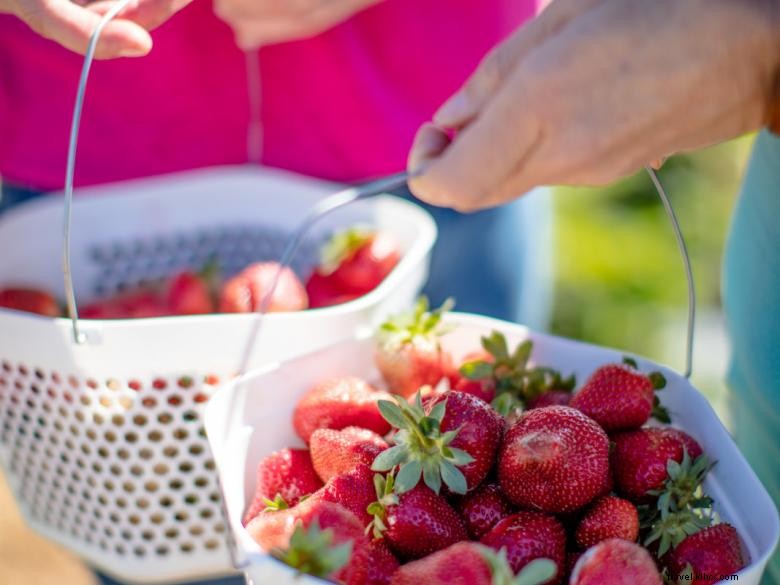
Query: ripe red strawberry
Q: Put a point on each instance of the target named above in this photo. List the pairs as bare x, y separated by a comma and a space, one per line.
453, 438
337, 404
335, 452
323, 293
484, 388
527, 536
553, 459
358, 260
713, 551
483, 508
287, 473
479, 432
382, 563
551, 398
31, 301
639, 459
620, 398
136, 304
608, 517
316, 537
470, 563
462, 563
409, 354
188, 293
505, 379
245, 292
415, 523
354, 490
616, 562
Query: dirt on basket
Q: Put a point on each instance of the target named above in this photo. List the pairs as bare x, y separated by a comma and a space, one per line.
28, 559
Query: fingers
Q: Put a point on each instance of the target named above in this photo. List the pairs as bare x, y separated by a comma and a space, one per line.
464, 105
71, 26
478, 168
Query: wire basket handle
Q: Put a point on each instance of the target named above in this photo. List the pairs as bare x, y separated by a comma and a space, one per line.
683, 248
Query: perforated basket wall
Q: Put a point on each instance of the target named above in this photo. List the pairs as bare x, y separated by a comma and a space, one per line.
103, 443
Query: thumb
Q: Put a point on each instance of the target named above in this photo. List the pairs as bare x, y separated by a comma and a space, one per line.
460, 109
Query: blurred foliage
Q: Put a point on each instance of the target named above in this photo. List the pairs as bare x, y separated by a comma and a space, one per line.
620, 279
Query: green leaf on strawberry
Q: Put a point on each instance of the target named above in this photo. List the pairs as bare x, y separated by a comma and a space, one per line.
420, 449
313, 551
536, 572
420, 322
516, 382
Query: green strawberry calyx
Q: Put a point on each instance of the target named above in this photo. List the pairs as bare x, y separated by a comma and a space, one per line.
386, 497
420, 448
419, 323
516, 382
313, 551
536, 572
275, 505
342, 246
682, 507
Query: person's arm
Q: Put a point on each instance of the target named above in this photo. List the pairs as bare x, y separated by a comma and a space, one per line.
71, 24
592, 90
262, 22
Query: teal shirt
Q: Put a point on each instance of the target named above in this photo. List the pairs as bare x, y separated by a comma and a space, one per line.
752, 306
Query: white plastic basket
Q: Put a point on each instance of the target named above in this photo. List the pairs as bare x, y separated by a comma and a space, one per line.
102, 443
244, 425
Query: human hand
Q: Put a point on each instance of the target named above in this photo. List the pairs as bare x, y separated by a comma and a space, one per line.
263, 22
71, 24
593, 90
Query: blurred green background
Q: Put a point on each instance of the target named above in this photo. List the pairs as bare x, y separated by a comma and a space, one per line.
619, 276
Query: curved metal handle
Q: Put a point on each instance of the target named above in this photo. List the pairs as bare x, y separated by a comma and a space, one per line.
686, 263
70, 295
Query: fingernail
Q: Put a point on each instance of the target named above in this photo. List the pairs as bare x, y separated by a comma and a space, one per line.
454, 111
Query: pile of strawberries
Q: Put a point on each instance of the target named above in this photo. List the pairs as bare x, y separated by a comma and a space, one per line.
488, 470
354, 263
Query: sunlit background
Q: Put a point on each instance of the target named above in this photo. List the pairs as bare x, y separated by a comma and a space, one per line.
620, 279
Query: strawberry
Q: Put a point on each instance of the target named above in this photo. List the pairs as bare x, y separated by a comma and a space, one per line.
339, 403
357, 260
527, 536
283, 478
453, 439
470, 563
246, 292
323, 293
409, 354
137, 304
316, 537
620, 398
615, 562
335, 452
551, 398
190, 293
484, 388
30, 300
415, 523
483, 508
715, 550
608, 517
553, 459
354, 490
639, 459
382, 563
506, 377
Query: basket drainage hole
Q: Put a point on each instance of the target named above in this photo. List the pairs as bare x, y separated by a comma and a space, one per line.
181, 516
164, 418
157, 518
171, 533
162, 551
212, 544
186, 547
145, 454
170, 452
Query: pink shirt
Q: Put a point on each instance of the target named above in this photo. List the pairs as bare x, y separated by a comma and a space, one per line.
344, 105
